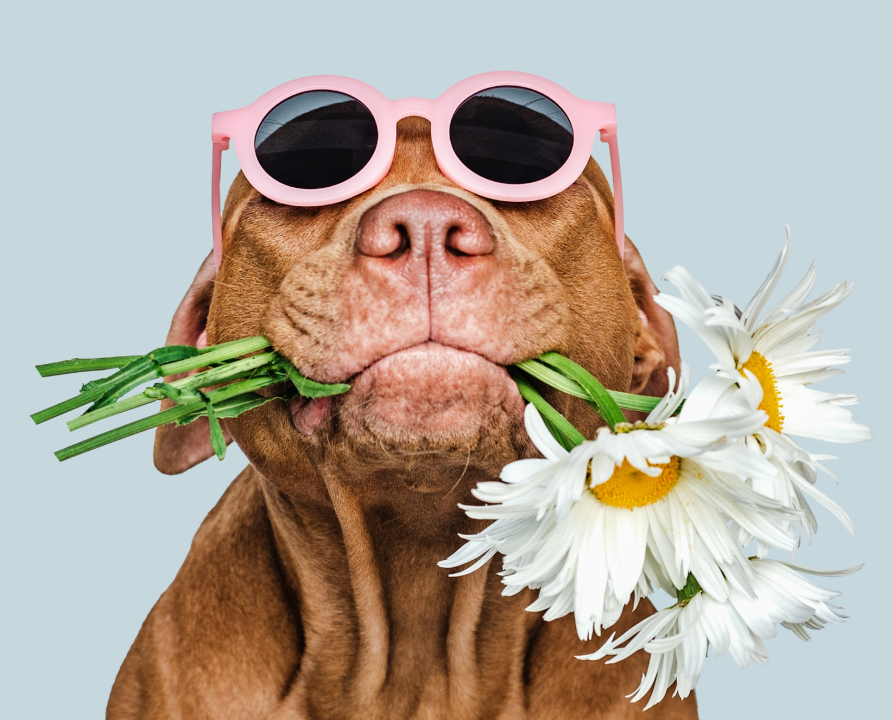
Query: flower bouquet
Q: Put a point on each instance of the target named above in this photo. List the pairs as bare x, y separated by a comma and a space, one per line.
690, 501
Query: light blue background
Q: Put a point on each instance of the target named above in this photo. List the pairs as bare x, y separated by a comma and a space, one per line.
733, 120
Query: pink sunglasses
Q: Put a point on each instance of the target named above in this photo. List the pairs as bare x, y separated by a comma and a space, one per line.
502, 135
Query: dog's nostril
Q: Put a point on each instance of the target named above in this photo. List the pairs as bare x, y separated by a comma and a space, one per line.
469, 240
453, 242
383, 240
404, 245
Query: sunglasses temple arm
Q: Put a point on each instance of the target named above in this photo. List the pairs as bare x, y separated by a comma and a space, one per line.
216, 219
610, 139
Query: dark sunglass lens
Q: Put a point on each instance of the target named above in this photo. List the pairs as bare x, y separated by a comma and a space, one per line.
511, 135
316, 139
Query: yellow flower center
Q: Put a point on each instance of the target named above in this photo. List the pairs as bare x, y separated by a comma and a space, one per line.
771, 398
629, 488
640, 425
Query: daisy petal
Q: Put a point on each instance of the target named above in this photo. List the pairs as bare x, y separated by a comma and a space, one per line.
754, 307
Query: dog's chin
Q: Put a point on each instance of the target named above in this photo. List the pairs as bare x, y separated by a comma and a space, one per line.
431, 399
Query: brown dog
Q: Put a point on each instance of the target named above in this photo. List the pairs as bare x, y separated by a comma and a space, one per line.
312, 589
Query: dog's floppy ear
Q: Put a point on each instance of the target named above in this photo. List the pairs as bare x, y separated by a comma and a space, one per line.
179, 448
656, 346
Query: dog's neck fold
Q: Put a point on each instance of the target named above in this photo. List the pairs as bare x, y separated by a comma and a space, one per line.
376, 613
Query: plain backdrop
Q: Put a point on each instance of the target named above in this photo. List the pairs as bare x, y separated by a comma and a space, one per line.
733, 121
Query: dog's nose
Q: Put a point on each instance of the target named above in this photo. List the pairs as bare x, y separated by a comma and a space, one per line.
439, 251
426, 223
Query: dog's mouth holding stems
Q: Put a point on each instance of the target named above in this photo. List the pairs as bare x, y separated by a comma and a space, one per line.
431, 304
427, 393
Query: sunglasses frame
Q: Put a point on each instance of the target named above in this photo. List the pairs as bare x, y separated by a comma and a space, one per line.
587, 118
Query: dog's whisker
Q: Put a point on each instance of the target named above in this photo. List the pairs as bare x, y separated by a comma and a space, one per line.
467, 464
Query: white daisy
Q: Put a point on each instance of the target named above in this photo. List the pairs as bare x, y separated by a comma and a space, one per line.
648, 504
776, 351
677, 638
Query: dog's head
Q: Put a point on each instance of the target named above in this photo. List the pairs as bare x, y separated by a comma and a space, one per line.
419, 294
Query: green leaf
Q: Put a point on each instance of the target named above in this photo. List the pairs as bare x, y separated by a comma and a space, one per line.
218, 442
691, 588
233, 407
171, 392
601, 399
137, 372
242, 403
172, 353
561, 428
192, 417
310, 388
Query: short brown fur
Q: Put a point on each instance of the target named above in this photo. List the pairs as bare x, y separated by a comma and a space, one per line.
312, 590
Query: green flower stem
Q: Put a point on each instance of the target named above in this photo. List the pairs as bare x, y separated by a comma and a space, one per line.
552, 378
163, 418
225, 372
107, 391
234, 345
627, 401
214, 376
563, 431
77, 365
216, 353
226, 363
143, 370
598, 394
110, 410
84, 398
641, 403
240, 388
